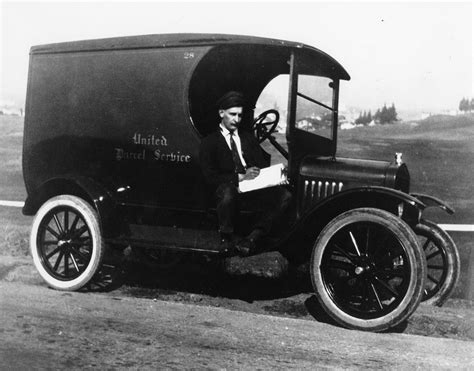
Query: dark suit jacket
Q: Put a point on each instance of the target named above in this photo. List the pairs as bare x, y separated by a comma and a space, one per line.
216, 162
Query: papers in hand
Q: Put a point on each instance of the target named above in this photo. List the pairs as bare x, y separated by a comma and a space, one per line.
268, 177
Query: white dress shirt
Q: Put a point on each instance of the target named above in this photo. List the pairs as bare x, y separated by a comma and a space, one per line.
226, 134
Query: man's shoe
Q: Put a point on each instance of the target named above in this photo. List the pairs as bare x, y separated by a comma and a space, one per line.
245, 247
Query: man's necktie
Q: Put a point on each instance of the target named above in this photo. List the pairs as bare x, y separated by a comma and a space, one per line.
239, 167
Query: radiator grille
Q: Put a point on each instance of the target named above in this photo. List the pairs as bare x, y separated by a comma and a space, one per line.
315, 190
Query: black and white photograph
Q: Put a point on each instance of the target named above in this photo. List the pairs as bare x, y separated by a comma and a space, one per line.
236, 185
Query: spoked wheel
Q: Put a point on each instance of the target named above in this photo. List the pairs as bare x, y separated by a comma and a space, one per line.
368, 270
66, 242
442, 262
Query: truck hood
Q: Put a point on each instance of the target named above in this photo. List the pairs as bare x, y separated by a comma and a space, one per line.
344, 173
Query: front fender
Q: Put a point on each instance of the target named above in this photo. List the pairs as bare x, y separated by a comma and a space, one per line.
431, 201
95, 193
375, 196
297, 243
309, 225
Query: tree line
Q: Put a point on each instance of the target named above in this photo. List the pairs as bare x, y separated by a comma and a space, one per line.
384, 115
466, 105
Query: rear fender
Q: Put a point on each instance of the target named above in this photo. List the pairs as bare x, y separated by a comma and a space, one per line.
88, 189
431, 201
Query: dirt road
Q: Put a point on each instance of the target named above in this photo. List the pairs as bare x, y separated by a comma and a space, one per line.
43, 328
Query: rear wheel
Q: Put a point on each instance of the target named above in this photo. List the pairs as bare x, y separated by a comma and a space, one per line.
442, 262
368, 269
66, 242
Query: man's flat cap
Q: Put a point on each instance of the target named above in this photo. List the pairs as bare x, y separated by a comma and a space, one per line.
231, 99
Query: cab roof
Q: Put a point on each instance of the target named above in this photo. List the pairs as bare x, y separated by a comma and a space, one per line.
181, 40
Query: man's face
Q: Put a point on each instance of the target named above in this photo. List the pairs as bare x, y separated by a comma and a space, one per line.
231, 117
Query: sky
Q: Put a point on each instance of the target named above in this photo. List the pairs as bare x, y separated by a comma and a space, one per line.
417, 55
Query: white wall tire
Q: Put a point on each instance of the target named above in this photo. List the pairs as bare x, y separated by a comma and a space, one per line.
368, 270
66, 242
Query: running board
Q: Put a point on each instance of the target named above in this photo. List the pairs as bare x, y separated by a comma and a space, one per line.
171, 238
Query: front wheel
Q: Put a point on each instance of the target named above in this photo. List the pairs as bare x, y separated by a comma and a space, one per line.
66, 242
368, 270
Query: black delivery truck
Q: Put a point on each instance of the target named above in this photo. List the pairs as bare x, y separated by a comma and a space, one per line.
110, 159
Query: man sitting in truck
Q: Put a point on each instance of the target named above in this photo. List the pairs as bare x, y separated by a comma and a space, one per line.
229, 156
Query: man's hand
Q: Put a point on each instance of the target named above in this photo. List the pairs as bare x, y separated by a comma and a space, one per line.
250, 173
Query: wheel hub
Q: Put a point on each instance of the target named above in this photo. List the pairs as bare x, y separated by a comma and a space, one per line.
63, 243
364, 265
365, 269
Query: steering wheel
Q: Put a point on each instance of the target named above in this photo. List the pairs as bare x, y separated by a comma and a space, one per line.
262, 129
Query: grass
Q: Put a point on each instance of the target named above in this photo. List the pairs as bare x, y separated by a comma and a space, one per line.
439, 152
14, 232
14, 226
11, 176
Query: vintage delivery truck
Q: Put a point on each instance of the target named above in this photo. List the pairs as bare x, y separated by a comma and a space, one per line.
110, 159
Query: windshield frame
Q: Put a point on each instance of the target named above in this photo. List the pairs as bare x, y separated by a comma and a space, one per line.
301, 143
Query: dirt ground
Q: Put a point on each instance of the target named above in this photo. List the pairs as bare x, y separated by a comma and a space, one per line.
48, 329
290, 295
208, 283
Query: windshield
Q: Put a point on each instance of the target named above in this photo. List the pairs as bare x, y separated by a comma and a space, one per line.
314, 111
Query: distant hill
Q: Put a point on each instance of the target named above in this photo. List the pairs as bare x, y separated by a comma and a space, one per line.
439, 127
448, 120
